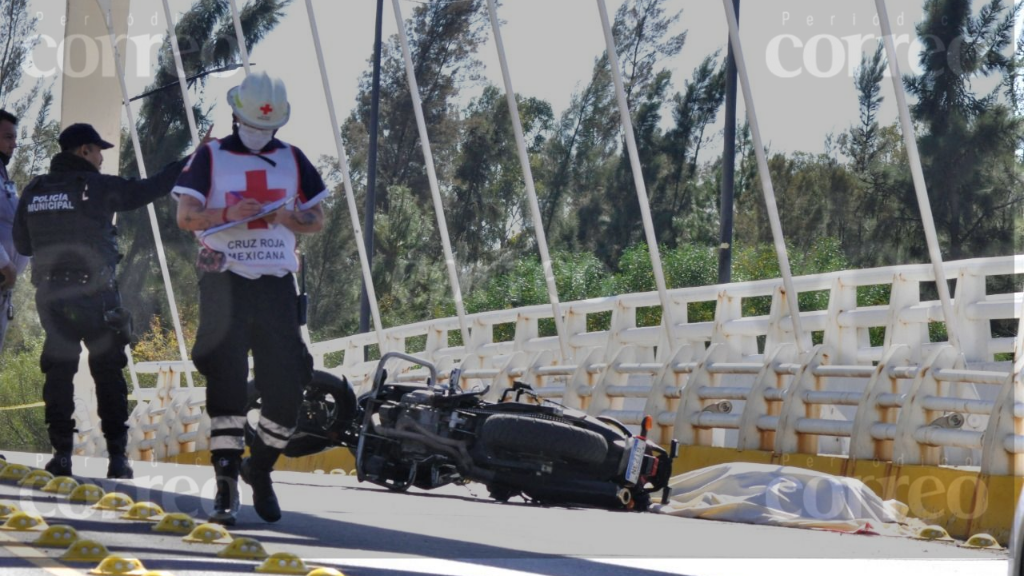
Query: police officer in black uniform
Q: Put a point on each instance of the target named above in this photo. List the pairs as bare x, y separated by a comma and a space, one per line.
65, 222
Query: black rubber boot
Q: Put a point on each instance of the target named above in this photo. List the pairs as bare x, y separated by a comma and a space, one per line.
226, 502
256, 473
60, 464
118, 464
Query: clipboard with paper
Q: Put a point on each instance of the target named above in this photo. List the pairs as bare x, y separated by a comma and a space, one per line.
265, 211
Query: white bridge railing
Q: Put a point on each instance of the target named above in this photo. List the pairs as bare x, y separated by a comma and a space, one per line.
735, 381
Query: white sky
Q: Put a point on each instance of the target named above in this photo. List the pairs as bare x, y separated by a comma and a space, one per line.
551, 47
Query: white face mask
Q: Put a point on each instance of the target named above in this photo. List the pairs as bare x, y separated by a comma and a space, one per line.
253, 138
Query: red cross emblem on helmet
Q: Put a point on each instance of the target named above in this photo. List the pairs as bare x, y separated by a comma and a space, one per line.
266, 108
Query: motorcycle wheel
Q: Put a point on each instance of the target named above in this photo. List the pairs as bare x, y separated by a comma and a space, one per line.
534, 436
302, 443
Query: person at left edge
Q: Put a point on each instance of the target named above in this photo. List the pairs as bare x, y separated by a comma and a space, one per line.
65, 222
11, 263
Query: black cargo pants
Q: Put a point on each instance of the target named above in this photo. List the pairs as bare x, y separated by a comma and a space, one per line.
71, 310
237, 315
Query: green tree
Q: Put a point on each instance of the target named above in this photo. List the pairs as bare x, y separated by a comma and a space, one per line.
863, 146
590, 178
488, 208
444, 37
969, 144
16, 26
681, 201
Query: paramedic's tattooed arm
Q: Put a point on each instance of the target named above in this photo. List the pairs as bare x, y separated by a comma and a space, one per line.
300, 221
192, 215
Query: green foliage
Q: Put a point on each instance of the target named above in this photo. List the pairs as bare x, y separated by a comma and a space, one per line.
760, 262
16, 25
21, 383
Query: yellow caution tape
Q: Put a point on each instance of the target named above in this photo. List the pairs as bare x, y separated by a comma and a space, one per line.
22, 406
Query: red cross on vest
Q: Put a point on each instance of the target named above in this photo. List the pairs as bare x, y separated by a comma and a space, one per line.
256, 188
266, 108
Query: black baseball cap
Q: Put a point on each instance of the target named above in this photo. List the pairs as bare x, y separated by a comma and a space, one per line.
80, 134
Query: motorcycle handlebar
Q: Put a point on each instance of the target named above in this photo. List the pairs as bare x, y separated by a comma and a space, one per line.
378, 379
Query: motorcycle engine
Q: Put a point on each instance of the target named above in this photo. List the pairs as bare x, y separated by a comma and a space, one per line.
415, 412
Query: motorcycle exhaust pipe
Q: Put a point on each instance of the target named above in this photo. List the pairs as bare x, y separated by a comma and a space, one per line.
625, 496
603, 494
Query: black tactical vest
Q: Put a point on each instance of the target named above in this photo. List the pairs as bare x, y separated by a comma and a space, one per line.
71, 227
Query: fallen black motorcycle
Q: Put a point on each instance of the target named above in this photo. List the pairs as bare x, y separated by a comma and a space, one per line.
424, 434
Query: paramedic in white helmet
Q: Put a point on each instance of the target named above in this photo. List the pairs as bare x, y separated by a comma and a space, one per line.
247, 292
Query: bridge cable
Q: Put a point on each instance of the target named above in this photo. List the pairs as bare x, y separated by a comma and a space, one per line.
154, 225
638, 180
428, 160
766, 179
239, 36
910, 140
531, 192
350, 196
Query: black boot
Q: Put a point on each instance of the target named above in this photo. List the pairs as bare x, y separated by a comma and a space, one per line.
118, 465
256, 473
60, 464
63, 443
226, 502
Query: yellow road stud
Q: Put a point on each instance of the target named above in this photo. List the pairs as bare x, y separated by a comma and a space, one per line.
14, 472
62, 485
57, 536
86, 494
339, 472
118, 566
145, 511
982, 541
244, 549
208, 534
283, 563
324, 571
319, 471
85, 551
7, 509
933, 532
35, 479
176, 523
24, 522
114, 501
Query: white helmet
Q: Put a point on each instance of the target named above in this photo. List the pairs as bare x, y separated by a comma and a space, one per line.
260, 101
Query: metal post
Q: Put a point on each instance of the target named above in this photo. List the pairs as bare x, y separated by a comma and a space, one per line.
728, 166
531, 192
910, 140
153, 223
346, 180
766, 178
638, 176
428, 161
182, 81
371, 169
239, 36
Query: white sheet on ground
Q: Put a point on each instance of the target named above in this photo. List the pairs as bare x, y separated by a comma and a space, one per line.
785, 496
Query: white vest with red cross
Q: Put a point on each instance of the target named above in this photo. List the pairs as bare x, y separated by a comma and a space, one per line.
255, 248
